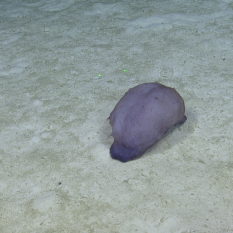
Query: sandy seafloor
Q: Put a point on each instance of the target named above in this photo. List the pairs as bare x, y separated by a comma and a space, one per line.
64, 64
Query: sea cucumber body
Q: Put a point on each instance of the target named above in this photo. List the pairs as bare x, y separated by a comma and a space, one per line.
141, 118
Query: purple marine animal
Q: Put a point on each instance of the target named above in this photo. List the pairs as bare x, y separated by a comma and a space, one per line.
141, 118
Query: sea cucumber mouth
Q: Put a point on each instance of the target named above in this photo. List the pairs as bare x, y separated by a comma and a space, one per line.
122, 153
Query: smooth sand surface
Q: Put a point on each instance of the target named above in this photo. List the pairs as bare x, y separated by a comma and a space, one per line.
64, 64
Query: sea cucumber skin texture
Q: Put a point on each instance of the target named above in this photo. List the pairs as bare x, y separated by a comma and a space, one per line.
141, 118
